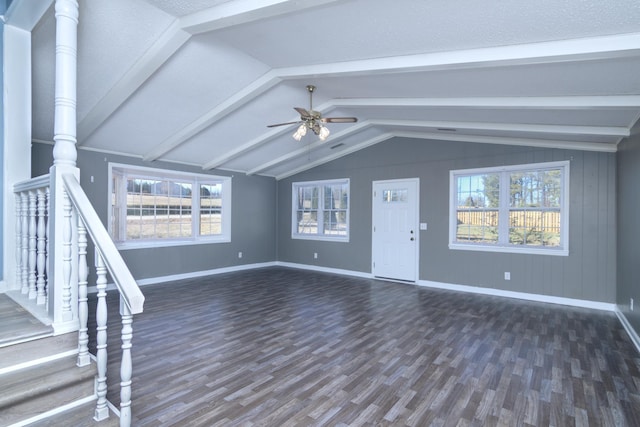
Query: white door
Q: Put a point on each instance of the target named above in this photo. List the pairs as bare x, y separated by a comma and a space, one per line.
395, 229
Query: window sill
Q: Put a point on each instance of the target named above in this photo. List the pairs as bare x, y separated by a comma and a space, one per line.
142, 244
509, 249
341, 239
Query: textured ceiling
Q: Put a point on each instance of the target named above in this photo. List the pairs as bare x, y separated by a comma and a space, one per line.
198, 81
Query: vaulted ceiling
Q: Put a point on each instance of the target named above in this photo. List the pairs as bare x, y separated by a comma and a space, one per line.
197, 82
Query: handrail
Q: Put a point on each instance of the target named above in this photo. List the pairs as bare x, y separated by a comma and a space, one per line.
129, 290
31, 184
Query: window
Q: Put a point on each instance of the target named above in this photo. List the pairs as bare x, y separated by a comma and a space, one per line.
511, 209
151, 207
321, 210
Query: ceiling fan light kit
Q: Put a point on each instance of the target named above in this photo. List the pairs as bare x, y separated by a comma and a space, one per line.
311, 119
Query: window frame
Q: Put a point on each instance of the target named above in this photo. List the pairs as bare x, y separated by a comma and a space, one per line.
321, 209
503, 210
143, 172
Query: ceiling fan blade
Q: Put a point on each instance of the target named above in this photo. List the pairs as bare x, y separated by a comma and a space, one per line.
304, 114
339, 120
284, 124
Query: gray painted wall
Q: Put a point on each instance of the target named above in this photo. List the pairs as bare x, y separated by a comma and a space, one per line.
628, 157
252, 226
588, 273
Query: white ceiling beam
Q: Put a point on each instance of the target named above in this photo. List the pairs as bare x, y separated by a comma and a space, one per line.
605, 47
255, 143
510, 127
309, 147
241, 12
554, 129
240, 98
618, 132
164, 47
529, 142
244, 148
546, 102
337, 155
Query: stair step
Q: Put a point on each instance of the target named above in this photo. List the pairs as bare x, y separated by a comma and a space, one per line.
37, 389
79, 416
22, 354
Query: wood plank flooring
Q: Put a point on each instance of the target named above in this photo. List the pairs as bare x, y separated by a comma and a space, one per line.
284, 347
17, 324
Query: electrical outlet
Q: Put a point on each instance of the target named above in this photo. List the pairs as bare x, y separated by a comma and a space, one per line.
631, 304
315, 255
239, 254
507, 275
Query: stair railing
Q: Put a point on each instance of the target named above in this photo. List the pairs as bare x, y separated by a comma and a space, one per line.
80, 221
107, 259
32, 207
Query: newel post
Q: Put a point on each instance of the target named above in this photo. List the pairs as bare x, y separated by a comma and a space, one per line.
63, 247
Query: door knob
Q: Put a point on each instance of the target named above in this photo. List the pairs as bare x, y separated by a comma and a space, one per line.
412, 239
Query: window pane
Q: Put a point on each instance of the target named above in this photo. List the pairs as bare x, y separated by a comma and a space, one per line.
335, 222
158, 209
321, 209
308, 198
307, 222
534, 214
210, 209
478, 200
399, 195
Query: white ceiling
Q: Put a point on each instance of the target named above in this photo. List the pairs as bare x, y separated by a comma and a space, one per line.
198, 81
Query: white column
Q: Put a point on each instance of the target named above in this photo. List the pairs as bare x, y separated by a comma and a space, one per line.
64, 150
62, 276
17, 138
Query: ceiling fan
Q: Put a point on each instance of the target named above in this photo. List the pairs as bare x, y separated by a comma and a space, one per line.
311, 119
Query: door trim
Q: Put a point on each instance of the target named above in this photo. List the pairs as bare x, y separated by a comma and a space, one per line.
417, 227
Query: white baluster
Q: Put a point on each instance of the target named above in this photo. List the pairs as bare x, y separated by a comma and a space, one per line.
41, 244
102, 411
67, 314
25, 243
83, 311
33, 240
46, 261
19, 241
126, 365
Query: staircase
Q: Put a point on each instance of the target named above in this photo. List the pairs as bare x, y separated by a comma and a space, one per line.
41, 384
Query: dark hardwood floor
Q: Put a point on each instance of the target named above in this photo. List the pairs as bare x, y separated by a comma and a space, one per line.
283, 347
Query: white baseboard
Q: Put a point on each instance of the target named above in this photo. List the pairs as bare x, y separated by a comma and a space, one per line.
190, 275
521, 295
325, 269
633, 335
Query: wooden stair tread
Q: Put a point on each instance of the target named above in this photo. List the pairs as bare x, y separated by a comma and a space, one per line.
17, 324
28, 351
80, 416
41, 388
